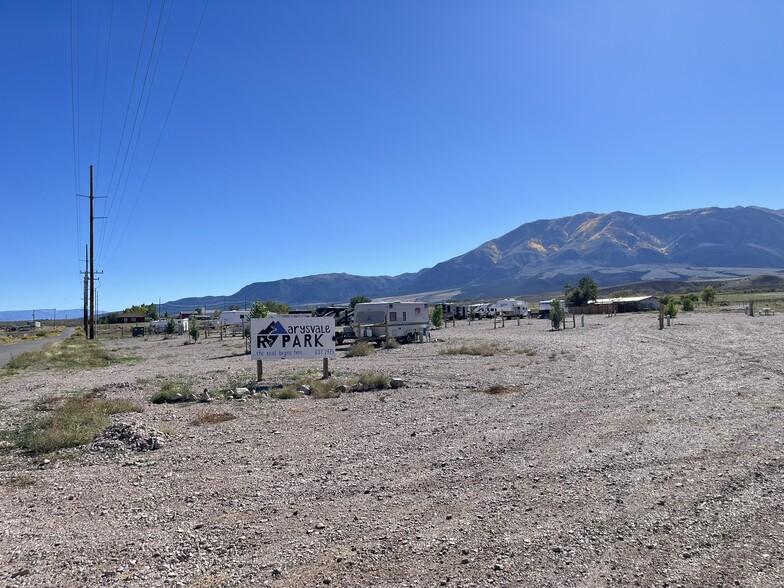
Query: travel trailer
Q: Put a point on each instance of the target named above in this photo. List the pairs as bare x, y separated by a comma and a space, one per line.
511, 307
404, 321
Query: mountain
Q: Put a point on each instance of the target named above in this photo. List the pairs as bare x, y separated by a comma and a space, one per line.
614, 248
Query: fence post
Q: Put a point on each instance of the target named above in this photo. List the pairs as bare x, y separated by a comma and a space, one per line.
325, 373
661, 318
259, 370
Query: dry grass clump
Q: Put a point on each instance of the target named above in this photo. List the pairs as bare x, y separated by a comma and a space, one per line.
73, 353
391, 343
20, 481
212, 418
325, 389
371, 381
174, 391
529, 351
72, 422
287, 393
483, 349
499, 389
360, 349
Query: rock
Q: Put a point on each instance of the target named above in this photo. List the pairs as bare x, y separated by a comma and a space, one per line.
129, 436
205, 396
397, 383
241, 392
229, 394
304, 389
341, 389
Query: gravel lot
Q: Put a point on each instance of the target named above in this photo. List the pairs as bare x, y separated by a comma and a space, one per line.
622, 456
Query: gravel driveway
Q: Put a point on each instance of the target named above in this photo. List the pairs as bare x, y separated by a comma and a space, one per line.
621, 455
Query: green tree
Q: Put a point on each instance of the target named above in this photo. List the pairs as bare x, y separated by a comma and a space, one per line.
171, 327
437, 315
687, 303
258, 310
234, 307
556, 314
671, 307
277, 307
708, 295
621, 294
193, 329
357, 299
579, 295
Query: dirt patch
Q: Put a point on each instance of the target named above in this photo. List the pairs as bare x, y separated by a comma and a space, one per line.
615, 454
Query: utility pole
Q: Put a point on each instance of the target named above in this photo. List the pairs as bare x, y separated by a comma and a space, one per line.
86, 285
92, 258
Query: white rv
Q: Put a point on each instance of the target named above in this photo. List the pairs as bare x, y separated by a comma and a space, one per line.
399, 320
512, 307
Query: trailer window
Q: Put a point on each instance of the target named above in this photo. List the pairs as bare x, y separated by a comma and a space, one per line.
392, 317
404, 316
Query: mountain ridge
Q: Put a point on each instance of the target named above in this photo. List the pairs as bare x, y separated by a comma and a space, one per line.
541, 256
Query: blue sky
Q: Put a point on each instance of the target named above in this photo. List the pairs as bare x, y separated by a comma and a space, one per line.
362, 136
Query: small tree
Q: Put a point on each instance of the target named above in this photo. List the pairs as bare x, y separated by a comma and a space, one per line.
671, 307
708, 295
556, 314
687, 303
258, 310
171, 327
437, 315
193, 329
357, 299
234, 307
579, 295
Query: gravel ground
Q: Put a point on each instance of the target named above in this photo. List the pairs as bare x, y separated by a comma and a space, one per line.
620, 456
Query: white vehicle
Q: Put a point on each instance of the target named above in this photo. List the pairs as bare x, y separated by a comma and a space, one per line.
234, 317
544, 307
512, 307
399, 320
481, 310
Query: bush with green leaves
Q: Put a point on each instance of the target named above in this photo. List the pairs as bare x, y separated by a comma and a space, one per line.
358, 299
437, 315
708, 295
258, 310
171, 327
556, 314
687, 303
193, 329
671, 308
579, 295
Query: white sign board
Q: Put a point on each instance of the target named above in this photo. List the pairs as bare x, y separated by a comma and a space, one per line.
292, 337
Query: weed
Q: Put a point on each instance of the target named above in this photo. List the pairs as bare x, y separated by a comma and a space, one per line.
371, 381
173, 391
360, 349
73, 353
75, 421
241, 379
211, 418
484, 349
530, 352
20, 481
287, 393
499, 389
391, 343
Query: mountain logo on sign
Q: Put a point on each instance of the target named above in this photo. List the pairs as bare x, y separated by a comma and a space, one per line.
268, 336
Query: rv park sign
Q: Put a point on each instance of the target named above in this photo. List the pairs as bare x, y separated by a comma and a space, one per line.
292, 337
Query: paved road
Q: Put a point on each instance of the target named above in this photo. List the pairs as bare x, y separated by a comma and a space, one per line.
14, 349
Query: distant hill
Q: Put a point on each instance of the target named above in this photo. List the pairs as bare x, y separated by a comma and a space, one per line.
614, 248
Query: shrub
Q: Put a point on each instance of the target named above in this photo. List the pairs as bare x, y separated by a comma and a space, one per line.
372, 381
73, 353
171, 327
391, 343
287, 393
193, 329
173, 391
671, 308
556, 314
687, 303
437, 315
74, 422
359, 349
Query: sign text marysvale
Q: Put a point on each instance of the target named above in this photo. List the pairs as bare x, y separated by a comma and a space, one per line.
292, 337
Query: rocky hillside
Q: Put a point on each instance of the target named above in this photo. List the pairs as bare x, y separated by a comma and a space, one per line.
615, 248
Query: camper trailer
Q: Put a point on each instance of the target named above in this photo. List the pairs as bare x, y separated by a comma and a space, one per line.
511, 307
400, 320
544, 308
